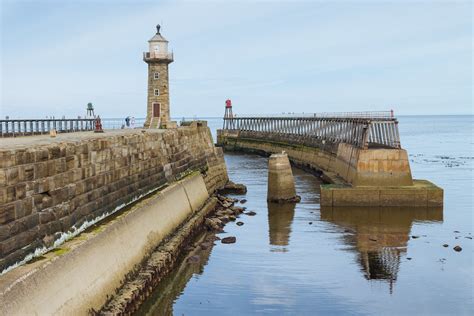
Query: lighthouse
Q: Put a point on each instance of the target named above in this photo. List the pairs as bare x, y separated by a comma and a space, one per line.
158, 101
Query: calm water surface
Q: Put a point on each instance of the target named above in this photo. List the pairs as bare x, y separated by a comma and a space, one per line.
301, 259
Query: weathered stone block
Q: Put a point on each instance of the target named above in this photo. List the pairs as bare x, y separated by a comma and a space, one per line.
26, 172
3, 177
12, 175
20, 191
54, 152
3, 195
7, 159
41, 154
7, 213
41, 170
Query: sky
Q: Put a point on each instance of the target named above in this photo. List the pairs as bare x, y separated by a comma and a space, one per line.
266, 56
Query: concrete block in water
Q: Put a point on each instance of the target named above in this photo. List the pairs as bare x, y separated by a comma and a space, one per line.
281, 184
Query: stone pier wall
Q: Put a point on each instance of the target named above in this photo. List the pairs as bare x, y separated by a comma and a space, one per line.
341, 162
356, 177
49, 186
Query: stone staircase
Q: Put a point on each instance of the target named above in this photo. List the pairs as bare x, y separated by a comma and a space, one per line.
155, 122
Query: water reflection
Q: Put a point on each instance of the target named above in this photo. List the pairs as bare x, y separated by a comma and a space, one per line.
379, 235
171, 287
280, 218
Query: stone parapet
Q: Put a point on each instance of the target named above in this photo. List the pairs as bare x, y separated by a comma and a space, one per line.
49, 187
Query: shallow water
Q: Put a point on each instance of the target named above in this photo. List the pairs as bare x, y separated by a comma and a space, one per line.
301, 259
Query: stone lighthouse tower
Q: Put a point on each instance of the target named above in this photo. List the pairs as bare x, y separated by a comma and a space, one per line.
158, 103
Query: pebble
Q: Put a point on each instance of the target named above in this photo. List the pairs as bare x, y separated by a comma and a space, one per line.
457, 248
445, 245
456, 231
311, 223
415, 237
240, 223
250, 213
243, 201
468, 237
408, 258
229, 240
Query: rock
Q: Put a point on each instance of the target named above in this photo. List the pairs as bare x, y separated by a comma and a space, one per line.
225, 212
415, 237
295, 199
457, 248
240, 223
213, 223
237, 210
243, 201
445, 245
250, 213
194, 259
311, 223
229, 240
408, 258
224, 219
232, 218
48, 241
468, 237
235, 188
372, 239
456, 231
205, 245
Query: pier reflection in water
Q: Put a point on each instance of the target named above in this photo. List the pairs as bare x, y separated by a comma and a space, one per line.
280, 218
379, 236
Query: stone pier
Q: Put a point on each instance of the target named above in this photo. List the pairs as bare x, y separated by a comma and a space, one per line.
352, 176
52, 187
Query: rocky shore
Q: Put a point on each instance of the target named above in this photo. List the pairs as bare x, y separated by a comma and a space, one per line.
140, 283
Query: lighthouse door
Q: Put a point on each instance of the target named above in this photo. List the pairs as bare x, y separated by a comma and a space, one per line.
156, 109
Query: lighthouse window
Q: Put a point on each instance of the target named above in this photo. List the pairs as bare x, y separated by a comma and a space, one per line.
157, 75
157, 92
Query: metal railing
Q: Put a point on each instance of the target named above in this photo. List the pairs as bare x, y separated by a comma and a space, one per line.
363, 132
154, 55
23, 127
361, 114
119, 123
